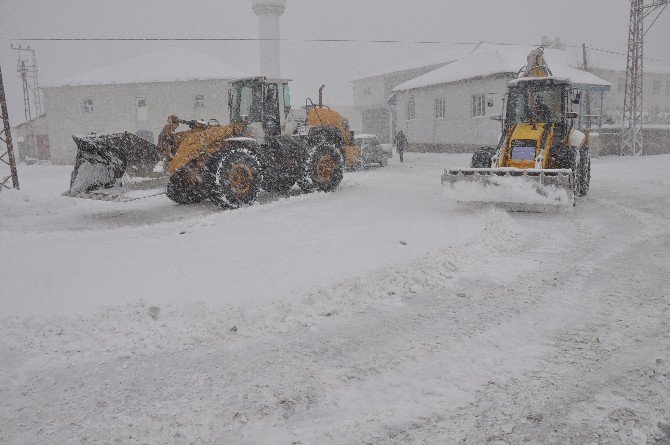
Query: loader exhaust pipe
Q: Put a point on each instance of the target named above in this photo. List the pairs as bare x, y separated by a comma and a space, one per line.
321, 95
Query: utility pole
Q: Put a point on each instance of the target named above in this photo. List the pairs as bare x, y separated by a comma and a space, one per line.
7, 157
28, 71
587, 97
631, 131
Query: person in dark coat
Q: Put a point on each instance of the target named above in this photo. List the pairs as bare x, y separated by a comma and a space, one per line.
400, 143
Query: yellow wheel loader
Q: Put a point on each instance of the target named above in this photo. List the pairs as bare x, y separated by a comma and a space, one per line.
262, 148
323, 121
542, 161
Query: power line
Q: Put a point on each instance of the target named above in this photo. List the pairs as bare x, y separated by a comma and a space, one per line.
11, 19
256, 39
306, 25
622, 54
315, 40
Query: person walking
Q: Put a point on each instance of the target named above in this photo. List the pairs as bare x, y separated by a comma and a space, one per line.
400, 143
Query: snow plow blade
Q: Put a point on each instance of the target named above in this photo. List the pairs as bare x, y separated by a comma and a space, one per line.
116, 167
525, 190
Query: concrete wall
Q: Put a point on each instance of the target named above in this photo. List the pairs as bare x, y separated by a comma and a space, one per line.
115, 109
655, 140
459, 131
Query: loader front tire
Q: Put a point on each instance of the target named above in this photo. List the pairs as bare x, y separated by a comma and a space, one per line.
481, 158
179, 190
323, 169
234, 178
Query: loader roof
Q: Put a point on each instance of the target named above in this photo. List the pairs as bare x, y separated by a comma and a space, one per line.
170, 64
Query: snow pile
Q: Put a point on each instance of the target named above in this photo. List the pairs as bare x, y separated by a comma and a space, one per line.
512, 192
499, 228
141, 329
90, 175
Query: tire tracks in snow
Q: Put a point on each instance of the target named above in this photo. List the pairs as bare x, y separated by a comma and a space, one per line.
443, 350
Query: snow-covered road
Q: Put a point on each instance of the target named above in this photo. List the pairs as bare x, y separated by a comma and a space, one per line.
306, 320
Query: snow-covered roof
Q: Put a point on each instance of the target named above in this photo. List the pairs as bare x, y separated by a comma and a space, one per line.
441, 58
488, 61
166, 65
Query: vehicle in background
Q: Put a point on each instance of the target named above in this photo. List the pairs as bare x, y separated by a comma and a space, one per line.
372, 151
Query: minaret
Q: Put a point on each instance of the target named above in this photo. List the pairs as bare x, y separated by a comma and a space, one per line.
268, 12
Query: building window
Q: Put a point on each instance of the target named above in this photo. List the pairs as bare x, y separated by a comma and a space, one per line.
367, 91
88, 105
656, 88
411, 109
440, 109
479, 105
200, 101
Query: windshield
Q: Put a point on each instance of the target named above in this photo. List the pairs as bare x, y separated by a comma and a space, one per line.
539, 103
246, 101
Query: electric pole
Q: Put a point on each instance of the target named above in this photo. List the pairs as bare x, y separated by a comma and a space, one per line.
28, 72
7, 156
631, 131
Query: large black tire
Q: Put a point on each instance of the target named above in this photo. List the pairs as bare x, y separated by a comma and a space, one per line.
566, 158
323, 169
234, 178
481, 158
584, 172
179, 191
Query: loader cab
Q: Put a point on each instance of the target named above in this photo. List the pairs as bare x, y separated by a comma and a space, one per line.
539, 100
262, 103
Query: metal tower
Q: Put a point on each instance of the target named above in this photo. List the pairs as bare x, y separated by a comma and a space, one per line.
631, 132
7, 155
32, 99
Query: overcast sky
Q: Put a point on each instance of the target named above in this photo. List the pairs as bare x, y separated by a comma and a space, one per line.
599, 23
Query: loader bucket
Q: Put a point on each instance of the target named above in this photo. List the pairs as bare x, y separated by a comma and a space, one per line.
528, 190
104, 159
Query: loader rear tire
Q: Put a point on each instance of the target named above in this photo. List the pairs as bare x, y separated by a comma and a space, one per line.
323, 169
180, 192
481, 158
234, 178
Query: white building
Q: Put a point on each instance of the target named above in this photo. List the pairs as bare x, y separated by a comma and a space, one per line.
446, 113
31, 140
447, 108
136, 95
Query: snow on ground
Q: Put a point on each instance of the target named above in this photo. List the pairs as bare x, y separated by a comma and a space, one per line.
376, 314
